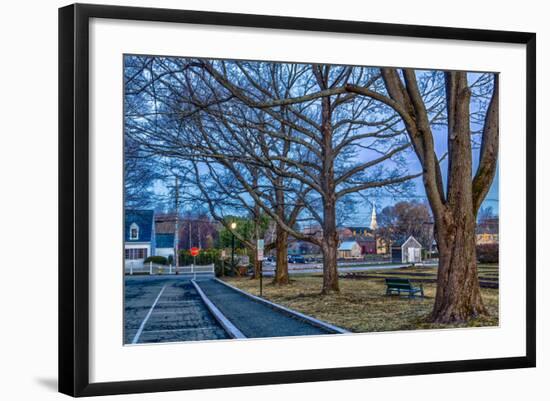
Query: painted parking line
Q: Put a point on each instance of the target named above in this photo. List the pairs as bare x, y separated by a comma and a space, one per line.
180, 330
171, 312
140, 330
179, 302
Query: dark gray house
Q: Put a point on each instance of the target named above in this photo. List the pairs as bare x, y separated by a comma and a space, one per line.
165, 244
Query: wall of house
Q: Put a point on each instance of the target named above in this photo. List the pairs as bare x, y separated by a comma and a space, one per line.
139, 245
355, 252
166, 252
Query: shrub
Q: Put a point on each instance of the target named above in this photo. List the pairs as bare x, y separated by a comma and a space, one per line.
159, 260
487, 253
205, 257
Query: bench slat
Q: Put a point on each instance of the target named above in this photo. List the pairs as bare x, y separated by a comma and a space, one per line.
402, 284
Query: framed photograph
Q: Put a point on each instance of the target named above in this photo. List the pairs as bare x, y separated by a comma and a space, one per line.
250, 199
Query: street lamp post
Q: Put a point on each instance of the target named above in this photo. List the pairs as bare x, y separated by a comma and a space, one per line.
233, 226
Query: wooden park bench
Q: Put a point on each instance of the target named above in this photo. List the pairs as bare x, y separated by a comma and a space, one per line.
402, 285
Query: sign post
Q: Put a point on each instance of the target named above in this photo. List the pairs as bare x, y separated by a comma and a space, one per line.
194, 252
260, 259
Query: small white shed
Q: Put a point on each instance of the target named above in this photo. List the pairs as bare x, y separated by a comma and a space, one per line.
411, 251
408, 251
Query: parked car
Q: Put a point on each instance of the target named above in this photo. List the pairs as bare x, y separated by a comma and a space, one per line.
296, 259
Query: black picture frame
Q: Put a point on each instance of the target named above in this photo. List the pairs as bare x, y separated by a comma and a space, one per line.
74, 198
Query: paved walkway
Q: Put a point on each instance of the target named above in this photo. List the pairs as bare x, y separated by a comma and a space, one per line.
253, 318
159, 309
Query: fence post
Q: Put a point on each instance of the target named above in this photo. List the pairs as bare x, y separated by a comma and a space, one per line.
170, 269
131, 268
150, 268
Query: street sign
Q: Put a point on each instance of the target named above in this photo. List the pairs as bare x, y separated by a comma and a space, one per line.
194, 251
260, 249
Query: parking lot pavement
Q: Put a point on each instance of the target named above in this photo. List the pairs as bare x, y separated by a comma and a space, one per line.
161, 309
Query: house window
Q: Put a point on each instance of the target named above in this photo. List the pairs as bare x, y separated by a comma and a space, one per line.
135, 253
134, 231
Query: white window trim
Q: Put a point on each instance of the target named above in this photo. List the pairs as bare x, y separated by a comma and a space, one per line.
132, 227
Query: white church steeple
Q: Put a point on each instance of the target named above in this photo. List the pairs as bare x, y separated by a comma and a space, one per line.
373, 223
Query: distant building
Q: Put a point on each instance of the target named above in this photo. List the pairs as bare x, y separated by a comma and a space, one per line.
367, 244
406, 251
355, 231
349, 250
165, 228
139, 235
487, 232
382, 247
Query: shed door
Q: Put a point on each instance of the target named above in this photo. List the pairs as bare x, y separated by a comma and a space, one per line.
413, 255
417, 257
410, 255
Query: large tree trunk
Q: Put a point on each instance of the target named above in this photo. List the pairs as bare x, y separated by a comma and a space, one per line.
281, 268
330, 269
281, 242
458, 296
330, 234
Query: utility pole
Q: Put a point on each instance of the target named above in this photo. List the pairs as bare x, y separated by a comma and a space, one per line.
199, 233
176, 227
190, 240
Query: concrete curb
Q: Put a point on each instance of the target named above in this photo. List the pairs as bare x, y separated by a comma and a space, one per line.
290, 312
229, 327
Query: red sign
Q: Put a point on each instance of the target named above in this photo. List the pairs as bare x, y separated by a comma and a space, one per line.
194, 251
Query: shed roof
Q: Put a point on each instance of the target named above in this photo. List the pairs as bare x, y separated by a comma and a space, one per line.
404, 240
411, 241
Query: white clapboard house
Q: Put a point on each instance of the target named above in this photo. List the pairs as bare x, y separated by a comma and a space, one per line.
139, 236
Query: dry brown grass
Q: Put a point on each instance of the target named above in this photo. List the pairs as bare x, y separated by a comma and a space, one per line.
361, 306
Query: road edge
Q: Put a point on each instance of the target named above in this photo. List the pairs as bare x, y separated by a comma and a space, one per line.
229, 327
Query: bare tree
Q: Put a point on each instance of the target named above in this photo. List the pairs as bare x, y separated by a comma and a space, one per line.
458, 295
404, 219
325, 132
313, 152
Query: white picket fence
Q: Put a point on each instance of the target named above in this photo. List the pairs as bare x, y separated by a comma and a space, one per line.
191, 271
